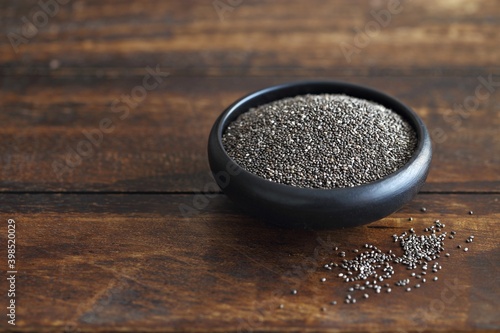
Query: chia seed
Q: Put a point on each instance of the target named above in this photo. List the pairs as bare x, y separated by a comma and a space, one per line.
371, 265
320, 141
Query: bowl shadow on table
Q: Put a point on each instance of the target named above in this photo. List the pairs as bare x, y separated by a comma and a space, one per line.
258, 241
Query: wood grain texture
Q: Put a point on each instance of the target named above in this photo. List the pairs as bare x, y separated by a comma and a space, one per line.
257, 37
160, 146
105, 245
121, 262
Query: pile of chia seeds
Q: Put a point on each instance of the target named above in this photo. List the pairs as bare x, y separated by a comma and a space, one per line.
372, 270
320, 141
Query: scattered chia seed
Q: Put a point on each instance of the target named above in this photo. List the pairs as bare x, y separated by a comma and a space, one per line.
320, 141
372, 266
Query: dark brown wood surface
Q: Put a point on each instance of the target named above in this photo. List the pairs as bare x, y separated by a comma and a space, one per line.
113, 262
102, 244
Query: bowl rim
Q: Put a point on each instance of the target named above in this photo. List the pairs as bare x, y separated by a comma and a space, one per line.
232, 112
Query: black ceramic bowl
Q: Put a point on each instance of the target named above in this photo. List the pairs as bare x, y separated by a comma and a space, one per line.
292, 206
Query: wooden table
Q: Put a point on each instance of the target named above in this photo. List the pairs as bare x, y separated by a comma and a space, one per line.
98, 182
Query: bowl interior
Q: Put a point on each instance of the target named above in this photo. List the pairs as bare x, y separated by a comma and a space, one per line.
275, 93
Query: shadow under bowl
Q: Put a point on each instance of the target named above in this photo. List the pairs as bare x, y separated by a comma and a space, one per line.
292, 206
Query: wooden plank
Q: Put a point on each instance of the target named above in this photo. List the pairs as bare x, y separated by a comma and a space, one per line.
160, 146
134, 262
256, 37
